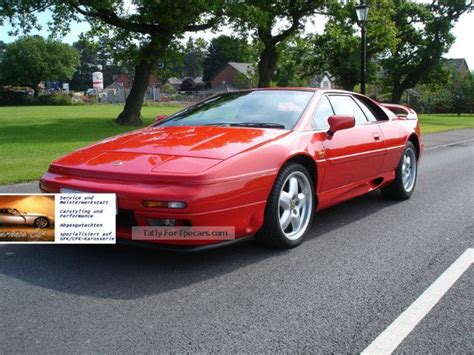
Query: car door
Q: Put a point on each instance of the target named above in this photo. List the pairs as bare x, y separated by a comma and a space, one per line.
8, 216
4, 216
353, 155
394, 134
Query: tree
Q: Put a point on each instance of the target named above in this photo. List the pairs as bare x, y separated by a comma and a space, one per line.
96, 55
261, 17
194, 54
144, 32
461, 89
424, 33
293, 56
82, 78
30, 60
221, 50
337, 50
3, 46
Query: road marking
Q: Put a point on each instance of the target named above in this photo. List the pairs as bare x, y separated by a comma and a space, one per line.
391, 337
449, 144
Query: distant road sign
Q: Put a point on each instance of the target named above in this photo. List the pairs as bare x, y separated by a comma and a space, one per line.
97, 80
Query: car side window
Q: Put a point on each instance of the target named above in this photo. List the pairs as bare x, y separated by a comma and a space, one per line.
346, 106
378, 112
370, 116
322, 113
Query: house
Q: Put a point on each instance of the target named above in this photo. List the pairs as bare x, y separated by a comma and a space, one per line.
233, 76
175, 82
121, 80
323, 81
458, 65
125, 81
118, 91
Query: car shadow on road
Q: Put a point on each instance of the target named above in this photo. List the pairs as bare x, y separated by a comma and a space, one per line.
122, 272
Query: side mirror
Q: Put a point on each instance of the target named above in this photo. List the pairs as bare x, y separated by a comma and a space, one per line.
337, 123
160, 118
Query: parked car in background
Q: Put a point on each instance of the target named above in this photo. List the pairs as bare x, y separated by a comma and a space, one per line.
95, 92
11, 216
90, 92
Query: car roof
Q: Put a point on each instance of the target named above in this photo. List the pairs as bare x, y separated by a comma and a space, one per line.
298, 88
279, 88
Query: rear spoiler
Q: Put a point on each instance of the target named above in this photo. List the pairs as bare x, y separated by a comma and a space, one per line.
402, 111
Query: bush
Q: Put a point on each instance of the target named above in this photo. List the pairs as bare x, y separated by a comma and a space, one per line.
161, 104
15, 98
180, 97
168, 89
56, 98
20, 98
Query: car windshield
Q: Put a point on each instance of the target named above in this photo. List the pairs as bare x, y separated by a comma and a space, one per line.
14, 211
267, 108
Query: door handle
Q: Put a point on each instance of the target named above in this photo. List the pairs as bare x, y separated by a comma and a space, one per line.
376, 136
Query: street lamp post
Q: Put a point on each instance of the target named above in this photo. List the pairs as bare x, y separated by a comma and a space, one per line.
362, 12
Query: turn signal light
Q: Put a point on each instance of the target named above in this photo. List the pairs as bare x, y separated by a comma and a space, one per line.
43, 187
164, 204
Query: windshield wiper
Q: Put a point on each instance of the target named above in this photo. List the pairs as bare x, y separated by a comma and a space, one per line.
248, 124
258, 124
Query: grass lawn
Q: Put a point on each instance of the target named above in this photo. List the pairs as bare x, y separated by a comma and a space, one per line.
444, 122
33, 136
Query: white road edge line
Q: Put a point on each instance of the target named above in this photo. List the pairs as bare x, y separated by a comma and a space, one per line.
449, 144
391, 337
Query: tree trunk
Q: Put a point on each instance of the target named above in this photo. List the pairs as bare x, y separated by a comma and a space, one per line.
149, 56
348, 84
396, 93
267, 65
36, 89
130, 116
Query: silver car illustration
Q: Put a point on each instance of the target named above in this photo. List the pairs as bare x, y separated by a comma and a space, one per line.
13, 216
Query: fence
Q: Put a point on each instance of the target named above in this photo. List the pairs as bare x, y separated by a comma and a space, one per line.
119, 95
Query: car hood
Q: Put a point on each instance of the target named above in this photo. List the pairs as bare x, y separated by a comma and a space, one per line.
36, 215
180, 150
33, 215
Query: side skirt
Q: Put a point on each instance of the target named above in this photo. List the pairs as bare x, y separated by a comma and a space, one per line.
347, 192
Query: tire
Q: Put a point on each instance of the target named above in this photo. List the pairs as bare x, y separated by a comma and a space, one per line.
292, 206
41, 222
405, 176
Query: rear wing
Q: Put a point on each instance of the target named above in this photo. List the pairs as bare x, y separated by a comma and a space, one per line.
402, 111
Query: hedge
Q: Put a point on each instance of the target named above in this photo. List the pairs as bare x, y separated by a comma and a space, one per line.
18, 98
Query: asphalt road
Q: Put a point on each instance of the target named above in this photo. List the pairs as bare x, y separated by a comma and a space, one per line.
363, 264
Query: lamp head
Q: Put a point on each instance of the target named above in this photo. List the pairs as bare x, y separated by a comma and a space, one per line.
362, 12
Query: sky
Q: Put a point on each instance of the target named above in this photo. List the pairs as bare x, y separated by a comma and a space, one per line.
462, 48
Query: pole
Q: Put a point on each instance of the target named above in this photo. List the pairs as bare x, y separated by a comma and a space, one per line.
363, 56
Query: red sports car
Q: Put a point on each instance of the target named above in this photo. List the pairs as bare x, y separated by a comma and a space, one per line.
262, 161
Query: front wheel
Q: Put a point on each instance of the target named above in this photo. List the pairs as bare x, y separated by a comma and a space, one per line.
289, 210
405, 176
41, 222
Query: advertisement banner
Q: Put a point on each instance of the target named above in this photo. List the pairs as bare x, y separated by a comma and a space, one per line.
66, 218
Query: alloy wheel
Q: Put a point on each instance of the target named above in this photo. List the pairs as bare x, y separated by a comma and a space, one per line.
409, 170
295, 205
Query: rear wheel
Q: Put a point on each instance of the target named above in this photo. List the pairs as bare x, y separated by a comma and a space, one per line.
289, 210
41, 222
405, 176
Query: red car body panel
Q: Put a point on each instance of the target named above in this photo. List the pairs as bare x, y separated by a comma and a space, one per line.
225, 174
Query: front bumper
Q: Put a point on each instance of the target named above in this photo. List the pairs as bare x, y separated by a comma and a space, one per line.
237, 203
